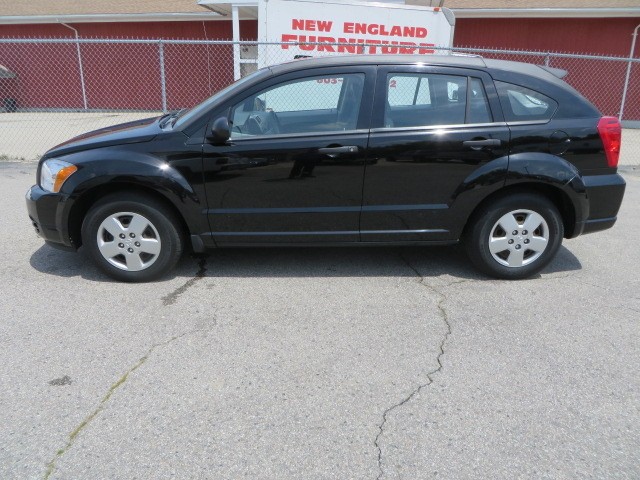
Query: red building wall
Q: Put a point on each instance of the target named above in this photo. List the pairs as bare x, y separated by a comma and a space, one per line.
601, 82
595, 36
212, 30
120, 76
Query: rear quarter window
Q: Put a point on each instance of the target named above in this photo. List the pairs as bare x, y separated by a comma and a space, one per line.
521, 104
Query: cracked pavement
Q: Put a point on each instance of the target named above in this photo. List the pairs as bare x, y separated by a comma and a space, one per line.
319, 363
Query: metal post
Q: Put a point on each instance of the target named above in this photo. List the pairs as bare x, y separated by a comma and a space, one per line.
82, 84
626, 80
163, 81
235, 20
547, 60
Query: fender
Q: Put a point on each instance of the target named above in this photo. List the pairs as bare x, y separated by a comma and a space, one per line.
533, 168
491, 175
550, 170
482, 182
112, 166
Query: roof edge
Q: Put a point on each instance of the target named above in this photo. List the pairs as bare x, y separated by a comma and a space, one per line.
112, 18
211, 15
546, 12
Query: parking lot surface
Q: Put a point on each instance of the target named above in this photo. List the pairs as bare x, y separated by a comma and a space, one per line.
319, 363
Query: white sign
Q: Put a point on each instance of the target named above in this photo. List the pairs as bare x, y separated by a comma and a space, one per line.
361, 29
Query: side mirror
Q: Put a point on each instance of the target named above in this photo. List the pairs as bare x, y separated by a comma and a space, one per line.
220, 132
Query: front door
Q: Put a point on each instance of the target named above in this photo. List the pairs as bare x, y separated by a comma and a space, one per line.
293, 168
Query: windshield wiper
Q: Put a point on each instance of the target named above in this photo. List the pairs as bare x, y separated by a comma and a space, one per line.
169, 116
181, 112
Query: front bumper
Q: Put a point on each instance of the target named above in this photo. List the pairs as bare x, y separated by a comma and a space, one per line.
45, 211
604, 194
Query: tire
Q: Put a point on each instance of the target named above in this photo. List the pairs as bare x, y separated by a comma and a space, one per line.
528, 226
132, 237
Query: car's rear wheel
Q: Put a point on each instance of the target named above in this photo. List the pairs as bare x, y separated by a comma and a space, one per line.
132, 237
514, 236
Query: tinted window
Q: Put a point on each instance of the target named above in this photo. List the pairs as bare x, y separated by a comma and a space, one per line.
200, 109
415, 100
316, 104
478, 111
407, 90
522, 104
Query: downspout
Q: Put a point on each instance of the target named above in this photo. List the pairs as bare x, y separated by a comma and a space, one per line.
235, 22
206, 37
84, 90
626, 80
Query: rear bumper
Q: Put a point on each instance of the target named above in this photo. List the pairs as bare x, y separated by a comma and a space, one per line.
604, 194
45, 212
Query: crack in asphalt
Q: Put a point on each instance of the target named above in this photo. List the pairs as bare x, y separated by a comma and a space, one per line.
75, 432
172, 297
608, 289
445, 318
51, 466
169, 299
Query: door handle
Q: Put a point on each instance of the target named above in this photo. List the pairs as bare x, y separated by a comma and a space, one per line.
479, 144
334, 150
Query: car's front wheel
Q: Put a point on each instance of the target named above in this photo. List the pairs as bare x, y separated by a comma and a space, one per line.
515, 236
132, 237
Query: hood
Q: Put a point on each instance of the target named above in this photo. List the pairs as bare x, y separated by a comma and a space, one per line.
130, 132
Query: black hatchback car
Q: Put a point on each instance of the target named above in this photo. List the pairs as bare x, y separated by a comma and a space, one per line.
354, 150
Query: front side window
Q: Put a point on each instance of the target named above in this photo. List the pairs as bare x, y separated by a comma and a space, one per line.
522, 104
311, 105
415, 100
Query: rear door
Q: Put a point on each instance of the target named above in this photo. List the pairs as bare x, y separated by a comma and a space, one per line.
432, 127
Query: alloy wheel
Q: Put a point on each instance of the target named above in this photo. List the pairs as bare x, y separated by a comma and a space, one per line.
128, 241
518, 238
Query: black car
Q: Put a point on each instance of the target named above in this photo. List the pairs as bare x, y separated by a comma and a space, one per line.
353, 150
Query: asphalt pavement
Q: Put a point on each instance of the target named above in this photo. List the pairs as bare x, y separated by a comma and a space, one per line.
355, 363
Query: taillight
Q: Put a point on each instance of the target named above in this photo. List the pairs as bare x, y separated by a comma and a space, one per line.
611, 134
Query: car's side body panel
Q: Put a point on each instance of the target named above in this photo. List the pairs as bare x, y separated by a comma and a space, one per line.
437, 174
283, 190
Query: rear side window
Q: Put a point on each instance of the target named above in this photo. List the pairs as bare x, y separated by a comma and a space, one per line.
405, 90
478, 108
522, 104
416, 100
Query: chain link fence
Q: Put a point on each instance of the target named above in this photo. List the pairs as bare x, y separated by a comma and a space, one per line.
53, 89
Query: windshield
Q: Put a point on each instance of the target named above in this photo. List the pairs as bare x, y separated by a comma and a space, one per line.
201, 108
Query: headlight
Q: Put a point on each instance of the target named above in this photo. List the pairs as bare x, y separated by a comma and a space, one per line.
54, 173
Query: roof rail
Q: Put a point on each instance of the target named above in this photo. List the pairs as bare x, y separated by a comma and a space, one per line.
461, 54
556, 72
